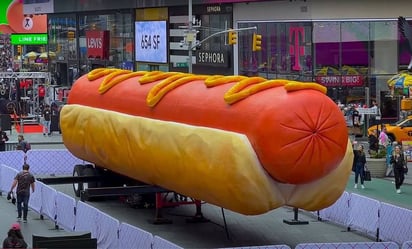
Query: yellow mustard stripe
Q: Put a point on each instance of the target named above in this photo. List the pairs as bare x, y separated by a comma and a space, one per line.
154, 76
216, 80
296, 86
156, 88
248, 91
154, 91
100, 72
117, 77
245, 86
158, 91
244, 83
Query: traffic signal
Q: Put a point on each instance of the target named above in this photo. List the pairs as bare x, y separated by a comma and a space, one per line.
257, 42
19, 50
232, 37
70, 35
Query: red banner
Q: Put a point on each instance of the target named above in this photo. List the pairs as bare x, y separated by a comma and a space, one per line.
340, 80
98, 43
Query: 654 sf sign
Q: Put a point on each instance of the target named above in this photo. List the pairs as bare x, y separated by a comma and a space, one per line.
151, 41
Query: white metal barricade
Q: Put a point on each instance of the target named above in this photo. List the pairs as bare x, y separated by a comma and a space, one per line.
65, 211
395, 223
363, 214
133, 237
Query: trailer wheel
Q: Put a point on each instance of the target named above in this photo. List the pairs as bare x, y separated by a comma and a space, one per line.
78, 187
90, 171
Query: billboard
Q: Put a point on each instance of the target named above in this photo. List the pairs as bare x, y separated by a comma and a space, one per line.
151, 41
4, 5
13, 21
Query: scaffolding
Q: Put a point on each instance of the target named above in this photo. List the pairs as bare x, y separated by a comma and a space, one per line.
31, 97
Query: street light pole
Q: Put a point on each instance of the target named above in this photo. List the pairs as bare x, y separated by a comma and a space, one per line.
189, 63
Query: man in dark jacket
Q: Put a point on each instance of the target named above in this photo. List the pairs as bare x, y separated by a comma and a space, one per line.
3, 139
373, 142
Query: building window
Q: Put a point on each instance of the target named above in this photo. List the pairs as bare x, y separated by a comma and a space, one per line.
119, 29
286, 51
352, 55
62, 36
344, 56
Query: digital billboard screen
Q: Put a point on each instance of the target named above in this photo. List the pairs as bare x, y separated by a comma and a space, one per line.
151, 41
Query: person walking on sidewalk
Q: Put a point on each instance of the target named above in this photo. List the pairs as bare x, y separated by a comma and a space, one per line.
359, 162
383, 138
46, 120
22, 144
23, 180
398, 162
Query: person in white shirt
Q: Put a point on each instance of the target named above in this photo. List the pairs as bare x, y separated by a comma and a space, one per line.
374, 120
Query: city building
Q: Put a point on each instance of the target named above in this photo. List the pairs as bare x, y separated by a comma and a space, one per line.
351, 47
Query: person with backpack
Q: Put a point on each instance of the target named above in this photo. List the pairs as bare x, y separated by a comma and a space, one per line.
14, 238
22, 144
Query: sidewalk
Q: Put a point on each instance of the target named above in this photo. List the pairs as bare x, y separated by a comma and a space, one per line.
408, 177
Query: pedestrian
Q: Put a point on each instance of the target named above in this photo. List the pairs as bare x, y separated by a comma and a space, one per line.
398, 162
22, 144
23, 180
383, 138
46, 120
3, 139
384, 141
375, 118
390, 151
373, 142
358, 166
14, 238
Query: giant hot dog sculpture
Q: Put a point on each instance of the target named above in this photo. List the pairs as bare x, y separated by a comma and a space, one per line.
243, 143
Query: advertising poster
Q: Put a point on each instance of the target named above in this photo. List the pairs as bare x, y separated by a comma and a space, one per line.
407, 149
13, 21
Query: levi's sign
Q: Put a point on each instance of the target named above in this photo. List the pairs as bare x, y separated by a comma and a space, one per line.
97, 44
